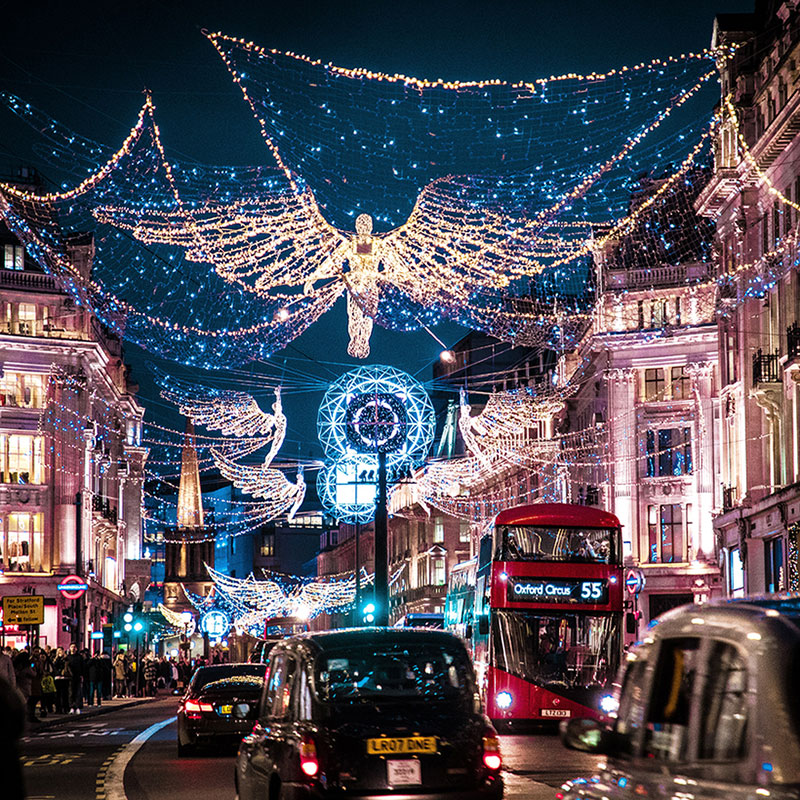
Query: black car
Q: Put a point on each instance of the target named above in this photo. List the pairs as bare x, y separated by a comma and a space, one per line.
371, 712
219, 705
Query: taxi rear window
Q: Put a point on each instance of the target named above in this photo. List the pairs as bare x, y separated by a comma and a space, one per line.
406, 673
232, 674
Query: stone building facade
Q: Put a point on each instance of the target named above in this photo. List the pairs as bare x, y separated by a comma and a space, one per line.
71, 459
754, 197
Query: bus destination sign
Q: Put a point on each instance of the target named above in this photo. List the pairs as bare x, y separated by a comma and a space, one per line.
542, 590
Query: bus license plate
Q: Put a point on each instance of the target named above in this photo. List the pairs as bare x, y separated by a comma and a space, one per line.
556, 712
403, 772
404, 745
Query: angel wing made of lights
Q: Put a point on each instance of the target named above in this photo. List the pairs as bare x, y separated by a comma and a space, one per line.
508, 423
280, 495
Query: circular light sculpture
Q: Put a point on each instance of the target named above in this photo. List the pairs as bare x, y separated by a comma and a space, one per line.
370, 410
215, 623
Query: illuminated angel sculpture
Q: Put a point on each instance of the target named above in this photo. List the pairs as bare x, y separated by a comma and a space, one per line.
488, 249
238, 414
441, 258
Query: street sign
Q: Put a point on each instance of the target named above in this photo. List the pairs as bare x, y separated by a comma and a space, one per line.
72, 587
634, 581
25, 609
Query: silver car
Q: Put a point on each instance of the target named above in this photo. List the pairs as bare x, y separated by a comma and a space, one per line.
708, 706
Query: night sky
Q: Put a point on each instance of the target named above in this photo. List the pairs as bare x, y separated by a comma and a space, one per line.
87, 63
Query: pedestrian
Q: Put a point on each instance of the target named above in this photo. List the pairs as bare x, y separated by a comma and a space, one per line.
106, 671
7, 669
120, 667
150, 675
12, 726
48, 700
130, 675
73, 670
25, 675
86, 659
94, 672
61, 681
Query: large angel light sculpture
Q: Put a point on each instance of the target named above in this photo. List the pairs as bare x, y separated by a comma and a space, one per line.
238, 414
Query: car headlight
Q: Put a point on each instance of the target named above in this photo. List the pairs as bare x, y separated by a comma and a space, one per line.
503, 700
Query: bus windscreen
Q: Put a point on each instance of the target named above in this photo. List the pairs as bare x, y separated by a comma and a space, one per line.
548, 543
573, 651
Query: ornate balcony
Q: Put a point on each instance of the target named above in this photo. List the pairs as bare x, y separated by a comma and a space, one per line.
766, 367
728, 498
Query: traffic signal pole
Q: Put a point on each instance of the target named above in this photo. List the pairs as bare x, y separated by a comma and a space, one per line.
381, 547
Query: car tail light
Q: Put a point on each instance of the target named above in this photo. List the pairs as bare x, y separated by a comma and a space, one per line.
193, 708
491, 750
308, 757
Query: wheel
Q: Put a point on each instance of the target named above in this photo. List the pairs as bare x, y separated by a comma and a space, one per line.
184, 750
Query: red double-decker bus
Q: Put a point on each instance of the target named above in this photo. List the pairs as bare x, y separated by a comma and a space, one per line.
547, 607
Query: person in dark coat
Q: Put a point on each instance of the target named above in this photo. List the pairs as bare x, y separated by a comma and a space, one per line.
25, 673
73, 669
12, 726
107, 670
61, 680
95, 674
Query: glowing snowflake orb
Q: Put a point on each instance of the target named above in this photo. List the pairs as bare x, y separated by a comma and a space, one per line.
373, 409
376, 408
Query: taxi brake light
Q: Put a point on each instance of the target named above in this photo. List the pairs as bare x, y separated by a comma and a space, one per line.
308, 757
195, 707
491, 750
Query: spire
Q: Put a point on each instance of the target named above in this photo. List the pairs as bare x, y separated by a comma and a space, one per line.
190, 498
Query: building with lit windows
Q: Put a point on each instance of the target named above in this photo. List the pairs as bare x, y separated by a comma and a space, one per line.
754, 195
71, 460
645, 378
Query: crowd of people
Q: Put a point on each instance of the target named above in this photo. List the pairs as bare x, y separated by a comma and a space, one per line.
55, 680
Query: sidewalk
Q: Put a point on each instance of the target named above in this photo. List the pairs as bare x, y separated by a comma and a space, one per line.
108, 706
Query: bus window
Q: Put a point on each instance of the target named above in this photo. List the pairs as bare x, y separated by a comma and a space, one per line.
576, 545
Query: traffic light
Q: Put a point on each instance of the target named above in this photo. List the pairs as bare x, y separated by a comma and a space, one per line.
133, 623
368, 614
66, 620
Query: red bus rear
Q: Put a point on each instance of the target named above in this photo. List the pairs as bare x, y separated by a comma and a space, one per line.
548, 612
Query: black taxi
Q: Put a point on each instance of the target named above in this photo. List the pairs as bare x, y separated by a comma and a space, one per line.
370, 712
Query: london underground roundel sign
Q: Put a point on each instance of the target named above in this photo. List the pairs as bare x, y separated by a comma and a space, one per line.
634, 581
72, 587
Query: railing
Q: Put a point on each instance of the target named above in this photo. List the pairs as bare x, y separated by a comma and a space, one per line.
666, 275
793, 341
728, 498
31, 281
766, 368
103, 507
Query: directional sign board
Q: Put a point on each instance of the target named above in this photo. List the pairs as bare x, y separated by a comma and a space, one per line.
25, 609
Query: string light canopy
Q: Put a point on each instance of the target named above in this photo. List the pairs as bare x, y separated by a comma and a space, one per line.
370, 410
476, 206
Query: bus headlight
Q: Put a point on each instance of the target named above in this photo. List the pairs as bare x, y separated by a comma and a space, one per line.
503, 700
609, 704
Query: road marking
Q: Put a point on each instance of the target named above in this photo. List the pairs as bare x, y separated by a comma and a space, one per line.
113, 786
80, 733
50, 759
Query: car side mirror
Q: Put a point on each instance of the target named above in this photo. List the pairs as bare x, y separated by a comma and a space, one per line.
483, 625
586, 735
